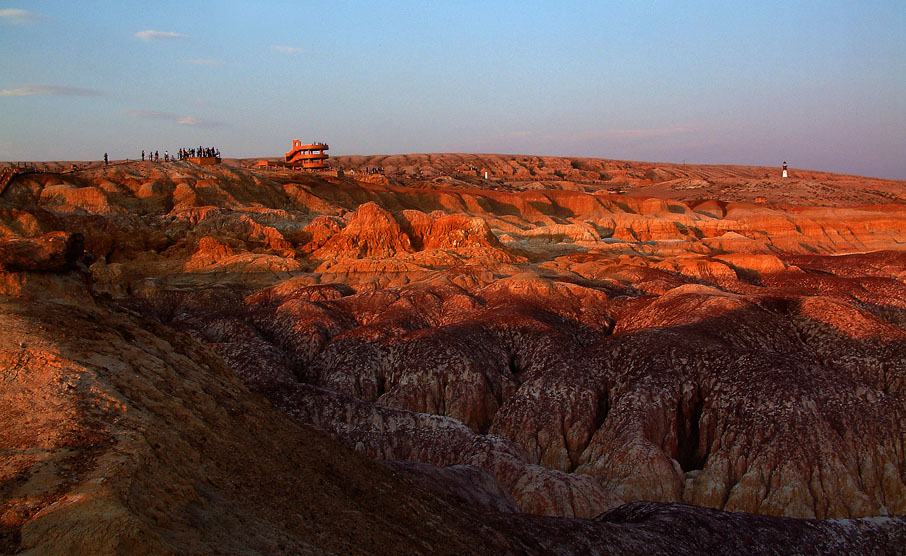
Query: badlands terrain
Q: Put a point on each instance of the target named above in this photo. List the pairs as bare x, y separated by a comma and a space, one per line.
572, 356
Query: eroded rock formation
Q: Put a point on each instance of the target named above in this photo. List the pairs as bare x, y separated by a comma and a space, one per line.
507, 351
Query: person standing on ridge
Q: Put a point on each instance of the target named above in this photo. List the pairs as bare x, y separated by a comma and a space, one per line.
105, 159
143, 155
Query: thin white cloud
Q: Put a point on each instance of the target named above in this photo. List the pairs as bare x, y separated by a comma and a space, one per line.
285, 49
150, 34
648, 132
17, 16
198, 122
151, 114
204, 62
518, 134
49, 90
178, 119
642, 133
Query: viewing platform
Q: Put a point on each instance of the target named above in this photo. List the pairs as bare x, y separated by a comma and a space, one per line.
310, 156
205, 160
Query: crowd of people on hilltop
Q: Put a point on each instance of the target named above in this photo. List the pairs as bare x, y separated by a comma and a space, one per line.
154, 156
199, 152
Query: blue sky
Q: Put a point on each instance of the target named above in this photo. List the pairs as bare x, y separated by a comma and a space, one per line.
820, 84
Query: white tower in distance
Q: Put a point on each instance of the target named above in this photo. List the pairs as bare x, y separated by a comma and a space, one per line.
784, 175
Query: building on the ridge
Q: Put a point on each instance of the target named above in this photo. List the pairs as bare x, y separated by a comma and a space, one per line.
310, 156
784, 174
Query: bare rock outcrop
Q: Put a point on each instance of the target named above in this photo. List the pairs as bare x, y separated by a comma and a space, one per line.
370, 232
54, 251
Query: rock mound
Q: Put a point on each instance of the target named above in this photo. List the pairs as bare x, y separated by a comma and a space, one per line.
371, 232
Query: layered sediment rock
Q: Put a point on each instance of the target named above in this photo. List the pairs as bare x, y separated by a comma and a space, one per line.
514, 351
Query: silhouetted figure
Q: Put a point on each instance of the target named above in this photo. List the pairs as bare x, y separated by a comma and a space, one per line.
156, 156
143, 155
166, 156
105, 159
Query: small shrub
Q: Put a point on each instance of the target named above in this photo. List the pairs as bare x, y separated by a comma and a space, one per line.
604, 176
559, 174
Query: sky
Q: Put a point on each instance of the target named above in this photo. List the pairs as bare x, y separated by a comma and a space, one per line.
819, 84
